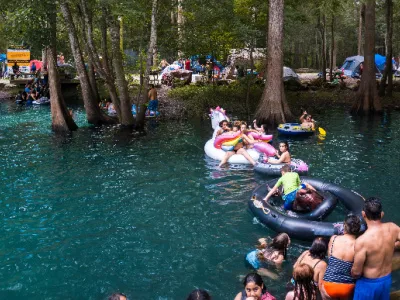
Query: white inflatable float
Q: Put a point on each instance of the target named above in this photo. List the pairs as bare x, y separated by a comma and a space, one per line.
217, 115
218, 154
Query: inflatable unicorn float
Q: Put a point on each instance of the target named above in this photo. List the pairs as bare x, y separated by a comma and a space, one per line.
217, 146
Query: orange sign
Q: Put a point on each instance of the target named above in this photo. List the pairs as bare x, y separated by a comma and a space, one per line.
15, 55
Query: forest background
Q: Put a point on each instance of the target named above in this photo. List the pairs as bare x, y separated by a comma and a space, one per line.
317, 34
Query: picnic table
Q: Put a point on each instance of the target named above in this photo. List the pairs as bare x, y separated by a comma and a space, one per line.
22, 75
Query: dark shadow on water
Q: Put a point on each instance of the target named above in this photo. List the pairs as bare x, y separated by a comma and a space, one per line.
61, 139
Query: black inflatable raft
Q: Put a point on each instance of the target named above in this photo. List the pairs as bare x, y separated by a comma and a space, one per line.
306, 226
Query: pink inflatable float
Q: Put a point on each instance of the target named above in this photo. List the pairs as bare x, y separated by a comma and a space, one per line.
262, 137
265, 148
226, 138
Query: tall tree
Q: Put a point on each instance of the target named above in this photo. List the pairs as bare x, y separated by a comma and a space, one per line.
152, 43
121, 83
61, 120
388, 74
322, 30
93, 112
360, 26
273, 108
103, 67
331, 66
367, 100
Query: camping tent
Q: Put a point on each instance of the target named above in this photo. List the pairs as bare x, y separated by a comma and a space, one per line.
289, 74
351, 66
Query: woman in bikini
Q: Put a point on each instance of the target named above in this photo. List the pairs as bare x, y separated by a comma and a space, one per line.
248, 140
338, 283
238, 149
315, 259
283, 155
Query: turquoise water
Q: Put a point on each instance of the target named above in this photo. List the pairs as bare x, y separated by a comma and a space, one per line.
104, 210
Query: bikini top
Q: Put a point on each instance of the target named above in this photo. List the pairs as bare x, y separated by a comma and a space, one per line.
338, 270
315, 263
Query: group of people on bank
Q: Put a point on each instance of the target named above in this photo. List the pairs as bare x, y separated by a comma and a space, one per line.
33, 91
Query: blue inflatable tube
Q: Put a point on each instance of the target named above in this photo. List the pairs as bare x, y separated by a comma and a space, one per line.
294, 129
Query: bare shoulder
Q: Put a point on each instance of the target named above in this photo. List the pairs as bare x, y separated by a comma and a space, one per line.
393, 226
238, 296
289, 296
362, 239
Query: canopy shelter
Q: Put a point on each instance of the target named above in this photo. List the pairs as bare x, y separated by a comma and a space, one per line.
38, 64
240, 57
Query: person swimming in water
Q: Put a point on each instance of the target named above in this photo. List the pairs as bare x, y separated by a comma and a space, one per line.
269, 253
254, 289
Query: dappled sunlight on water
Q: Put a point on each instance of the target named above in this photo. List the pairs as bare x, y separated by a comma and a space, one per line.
104, 210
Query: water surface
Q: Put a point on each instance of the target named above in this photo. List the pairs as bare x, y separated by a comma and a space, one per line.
104, 211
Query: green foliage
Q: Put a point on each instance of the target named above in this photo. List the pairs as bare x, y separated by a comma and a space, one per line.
231, 97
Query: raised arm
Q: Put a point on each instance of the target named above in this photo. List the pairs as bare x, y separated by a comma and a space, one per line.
359, 258
302, 117
255, 125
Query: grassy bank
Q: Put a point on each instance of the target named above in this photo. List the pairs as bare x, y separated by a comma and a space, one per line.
198, 99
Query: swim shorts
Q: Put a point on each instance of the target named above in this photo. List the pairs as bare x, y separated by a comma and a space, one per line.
373, 289
289, 198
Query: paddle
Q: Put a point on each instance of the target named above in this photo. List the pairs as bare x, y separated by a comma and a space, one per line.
321, 131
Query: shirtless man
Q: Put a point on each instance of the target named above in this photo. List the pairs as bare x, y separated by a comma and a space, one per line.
373, 254
307, 121
153, 101
164, 64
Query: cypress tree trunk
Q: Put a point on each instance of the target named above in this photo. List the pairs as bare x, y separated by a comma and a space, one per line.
126, 112
367, 101
273, 108
93, 112
360, 26
92, 81
44, 58
332, 47
180, 26
388, 74
153, 36
323, 54
61, 120
103, 69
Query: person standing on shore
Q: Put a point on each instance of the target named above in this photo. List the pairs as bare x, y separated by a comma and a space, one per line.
153, 101
373, 254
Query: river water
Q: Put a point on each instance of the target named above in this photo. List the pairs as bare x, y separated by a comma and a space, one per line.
104, 211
